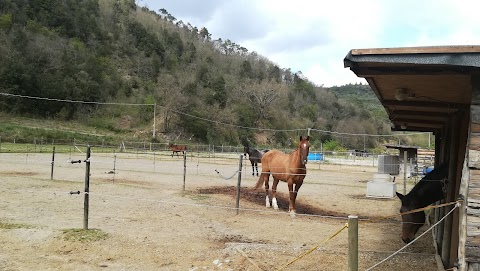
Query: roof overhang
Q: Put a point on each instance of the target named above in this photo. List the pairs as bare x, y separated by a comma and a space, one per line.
420, 87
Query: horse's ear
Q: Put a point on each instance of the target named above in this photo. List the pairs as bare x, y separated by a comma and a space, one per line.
400, 196
306, 138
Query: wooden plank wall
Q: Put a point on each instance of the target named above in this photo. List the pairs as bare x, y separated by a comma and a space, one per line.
472, 244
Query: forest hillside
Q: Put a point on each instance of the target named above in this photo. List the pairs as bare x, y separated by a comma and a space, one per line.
123, 70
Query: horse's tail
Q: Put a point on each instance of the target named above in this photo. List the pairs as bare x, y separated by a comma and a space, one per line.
260, 181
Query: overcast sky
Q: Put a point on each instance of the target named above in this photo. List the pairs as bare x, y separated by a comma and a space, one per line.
314, 36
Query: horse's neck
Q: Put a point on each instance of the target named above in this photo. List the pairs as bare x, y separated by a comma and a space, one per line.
427, 192
295, 157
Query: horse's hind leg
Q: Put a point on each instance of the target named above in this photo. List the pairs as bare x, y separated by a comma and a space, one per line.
253, 169
274, 194
256, 167
266, 176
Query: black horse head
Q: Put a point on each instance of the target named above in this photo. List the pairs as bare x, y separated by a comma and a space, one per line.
411, 222
427, 191
246, 149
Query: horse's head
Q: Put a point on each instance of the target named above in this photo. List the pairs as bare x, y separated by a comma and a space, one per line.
304, 148
411, 223
245, 150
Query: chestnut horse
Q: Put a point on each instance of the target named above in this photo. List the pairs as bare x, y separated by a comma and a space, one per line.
177, 148
289, 168
428, 190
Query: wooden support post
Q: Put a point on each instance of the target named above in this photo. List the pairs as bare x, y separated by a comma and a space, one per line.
114, 165
239, 182
53, 163
352, 243
184, 168
87, 190
462, 263
405, 172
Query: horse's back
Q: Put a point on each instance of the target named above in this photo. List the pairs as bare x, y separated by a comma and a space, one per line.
274, 159
177, 148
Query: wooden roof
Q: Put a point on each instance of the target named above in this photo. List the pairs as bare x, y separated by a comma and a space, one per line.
436, 82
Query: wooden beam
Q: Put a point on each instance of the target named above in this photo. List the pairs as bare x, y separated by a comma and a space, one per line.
442, 115
438, 123
418, 50
397, 128
447, 106
417, 70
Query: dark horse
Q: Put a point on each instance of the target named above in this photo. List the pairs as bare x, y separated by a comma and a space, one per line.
427, 191
255, 157
289, 168
177, 148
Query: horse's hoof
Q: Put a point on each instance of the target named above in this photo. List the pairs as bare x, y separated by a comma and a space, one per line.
292, 214
274, 203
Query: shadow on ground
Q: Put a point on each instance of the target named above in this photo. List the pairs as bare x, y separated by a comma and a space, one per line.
257, 196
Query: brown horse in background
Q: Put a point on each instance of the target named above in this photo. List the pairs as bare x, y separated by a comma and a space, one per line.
177, 148
289, 168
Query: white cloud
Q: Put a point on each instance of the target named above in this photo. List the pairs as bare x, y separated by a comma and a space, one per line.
314, 36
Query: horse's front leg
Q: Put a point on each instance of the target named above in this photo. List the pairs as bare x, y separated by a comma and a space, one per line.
253, 169
274, 193
256, 167
293, 196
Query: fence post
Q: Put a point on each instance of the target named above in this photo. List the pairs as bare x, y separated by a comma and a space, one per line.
53, 163
87, 190
184, 168
114, 164
352, 243
238, 182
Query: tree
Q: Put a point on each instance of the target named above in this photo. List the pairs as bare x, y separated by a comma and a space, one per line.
204, 34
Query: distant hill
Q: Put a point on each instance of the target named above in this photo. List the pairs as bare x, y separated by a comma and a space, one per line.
113, 66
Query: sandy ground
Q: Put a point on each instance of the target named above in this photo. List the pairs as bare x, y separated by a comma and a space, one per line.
153, 224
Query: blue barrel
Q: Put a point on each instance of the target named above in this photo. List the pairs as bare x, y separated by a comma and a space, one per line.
315, 157
427, 170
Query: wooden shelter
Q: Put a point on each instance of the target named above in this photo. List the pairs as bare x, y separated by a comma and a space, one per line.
410, 151
437, 89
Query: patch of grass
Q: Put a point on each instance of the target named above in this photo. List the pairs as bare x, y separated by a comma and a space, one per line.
10, 226
81, 235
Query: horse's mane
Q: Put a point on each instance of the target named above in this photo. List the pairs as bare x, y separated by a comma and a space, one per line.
430, 187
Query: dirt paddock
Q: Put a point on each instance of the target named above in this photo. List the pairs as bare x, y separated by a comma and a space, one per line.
153, 224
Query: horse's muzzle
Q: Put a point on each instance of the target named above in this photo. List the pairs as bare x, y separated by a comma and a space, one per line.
407, 240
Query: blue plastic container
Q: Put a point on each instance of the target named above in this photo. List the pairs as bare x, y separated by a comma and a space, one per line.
315, 157
427, 170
